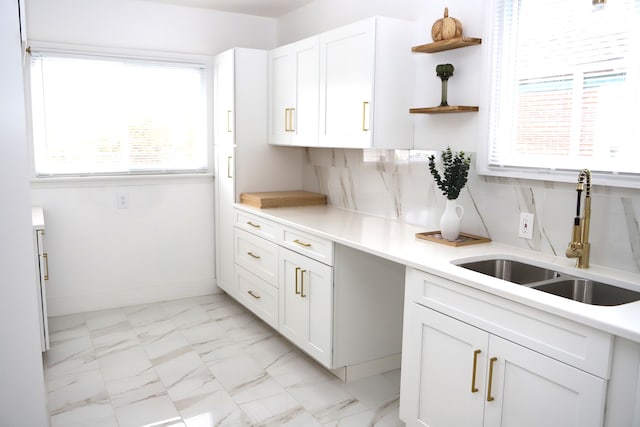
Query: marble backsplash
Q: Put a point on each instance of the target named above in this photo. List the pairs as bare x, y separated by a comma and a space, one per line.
396, 184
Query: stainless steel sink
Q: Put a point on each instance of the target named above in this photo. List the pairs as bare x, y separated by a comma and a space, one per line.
589, 292
552, 282
511, 271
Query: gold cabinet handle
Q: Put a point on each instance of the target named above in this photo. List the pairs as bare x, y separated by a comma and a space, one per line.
252, 255
297, 290
291, 110
286, 120
229, 121
491, 362
302, 295
306, 245
365, 107
254, 225
253, 295
45, 256
229, 167
474, 389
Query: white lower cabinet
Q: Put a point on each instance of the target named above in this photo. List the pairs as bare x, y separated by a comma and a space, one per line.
306, 304
257, 295
458, 375
341, 306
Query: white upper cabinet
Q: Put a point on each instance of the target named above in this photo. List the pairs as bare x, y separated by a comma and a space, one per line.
293, 93
347, 88
224, 100
366, 80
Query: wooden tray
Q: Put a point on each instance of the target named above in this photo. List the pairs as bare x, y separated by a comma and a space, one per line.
464, 239
280, 199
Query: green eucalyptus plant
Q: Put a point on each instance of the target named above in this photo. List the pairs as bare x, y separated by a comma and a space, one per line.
455, 172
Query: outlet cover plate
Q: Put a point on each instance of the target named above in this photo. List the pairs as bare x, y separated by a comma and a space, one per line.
525, 228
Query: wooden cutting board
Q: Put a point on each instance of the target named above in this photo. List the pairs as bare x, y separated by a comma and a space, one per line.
280, 199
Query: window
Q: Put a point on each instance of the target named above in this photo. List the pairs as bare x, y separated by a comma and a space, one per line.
564, 85
113, 116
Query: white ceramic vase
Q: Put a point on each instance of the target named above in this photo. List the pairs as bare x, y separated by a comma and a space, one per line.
450, 220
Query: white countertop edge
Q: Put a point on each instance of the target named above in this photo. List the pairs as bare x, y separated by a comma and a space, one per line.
37, 218
397, 243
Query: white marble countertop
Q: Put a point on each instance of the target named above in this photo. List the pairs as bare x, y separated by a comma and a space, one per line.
396, 241
37, 218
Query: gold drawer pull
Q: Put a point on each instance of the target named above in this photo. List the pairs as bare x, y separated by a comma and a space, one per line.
297, 290
252, 255
306, 245
474, 389
253, 295
46, 265
229, 121
286, 120
491, 362
302, 295
365, 108
291, 129
253, 224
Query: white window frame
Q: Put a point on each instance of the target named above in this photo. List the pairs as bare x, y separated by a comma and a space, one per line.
133, 54
535, 173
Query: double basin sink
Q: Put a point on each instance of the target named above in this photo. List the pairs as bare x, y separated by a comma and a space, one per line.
547, 280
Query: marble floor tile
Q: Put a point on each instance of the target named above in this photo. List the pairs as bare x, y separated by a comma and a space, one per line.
326, 401
149, 332
199, 362
157, 411
127, 391
278, 410
78, 399
124, 364
268, 350
209, 405
70, 356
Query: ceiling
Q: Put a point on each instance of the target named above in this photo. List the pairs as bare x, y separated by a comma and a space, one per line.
268, 8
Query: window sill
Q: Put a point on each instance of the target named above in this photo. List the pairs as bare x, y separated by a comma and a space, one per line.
105, 180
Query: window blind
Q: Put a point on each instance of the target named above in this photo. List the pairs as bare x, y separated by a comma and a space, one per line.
564, 85
96, 115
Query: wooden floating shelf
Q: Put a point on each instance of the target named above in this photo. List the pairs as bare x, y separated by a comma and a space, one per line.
442, 45
447, 109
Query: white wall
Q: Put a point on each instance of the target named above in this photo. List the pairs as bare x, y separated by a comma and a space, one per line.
140, 24
100, 256
162, 246
323, 15
22, 394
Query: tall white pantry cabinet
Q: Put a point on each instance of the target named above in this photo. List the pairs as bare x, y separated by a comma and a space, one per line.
244, 161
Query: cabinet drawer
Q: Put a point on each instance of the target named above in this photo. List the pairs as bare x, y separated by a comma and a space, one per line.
307, 244
258, 296
257, 255
256, 225
562, 339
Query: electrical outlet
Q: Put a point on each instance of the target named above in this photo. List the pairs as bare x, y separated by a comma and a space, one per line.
122, 201
525, 229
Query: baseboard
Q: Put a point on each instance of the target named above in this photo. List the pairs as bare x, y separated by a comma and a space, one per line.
122, 298
362, 370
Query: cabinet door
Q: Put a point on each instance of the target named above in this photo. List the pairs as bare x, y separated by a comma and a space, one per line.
43, 276
306, 304
281, 95
532, 390
443, 370
293, 93
347, 64
224, 104
224, 199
